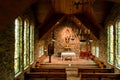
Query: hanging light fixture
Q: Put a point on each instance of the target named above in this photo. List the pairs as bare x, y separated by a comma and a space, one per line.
77, 3
90, 4
82, 34
85, 34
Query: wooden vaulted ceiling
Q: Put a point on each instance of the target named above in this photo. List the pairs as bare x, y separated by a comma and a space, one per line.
91, 13
50, 13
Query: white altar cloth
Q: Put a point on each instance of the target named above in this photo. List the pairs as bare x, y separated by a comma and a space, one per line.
68, 54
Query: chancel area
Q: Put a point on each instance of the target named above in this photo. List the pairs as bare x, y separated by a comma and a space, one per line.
60, 40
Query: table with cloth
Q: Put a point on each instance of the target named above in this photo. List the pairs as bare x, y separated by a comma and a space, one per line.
69, 55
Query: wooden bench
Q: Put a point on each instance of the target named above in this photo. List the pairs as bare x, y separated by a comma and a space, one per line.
45, 75
47, 70
100, 76
96, 70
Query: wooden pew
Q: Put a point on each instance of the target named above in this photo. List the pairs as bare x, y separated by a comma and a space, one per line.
96, 70
46, 75
100, 76
47, 70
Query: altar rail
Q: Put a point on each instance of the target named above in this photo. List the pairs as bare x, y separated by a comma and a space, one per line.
100, 76
61, 66
45, 75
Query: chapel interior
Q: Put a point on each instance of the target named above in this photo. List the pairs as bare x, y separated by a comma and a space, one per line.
60, 40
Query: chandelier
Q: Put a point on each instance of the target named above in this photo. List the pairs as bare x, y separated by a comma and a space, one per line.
84, 35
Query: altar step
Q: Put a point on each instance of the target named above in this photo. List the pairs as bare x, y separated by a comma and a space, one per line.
68, 65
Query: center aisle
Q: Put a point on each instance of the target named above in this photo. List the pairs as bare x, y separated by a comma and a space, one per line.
72, 74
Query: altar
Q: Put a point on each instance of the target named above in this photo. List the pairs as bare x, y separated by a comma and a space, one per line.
68, 54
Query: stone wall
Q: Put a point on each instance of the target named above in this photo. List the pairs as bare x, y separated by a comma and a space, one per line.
7, 41
115, 12
63, 30
7, 48
61, 44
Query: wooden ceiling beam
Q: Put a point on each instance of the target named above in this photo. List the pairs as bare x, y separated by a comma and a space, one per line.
49, 24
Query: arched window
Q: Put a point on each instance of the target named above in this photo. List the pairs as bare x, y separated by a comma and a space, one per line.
117, 43
26, 43
41, 50
18, 46
31, 43
110, 46
95, 49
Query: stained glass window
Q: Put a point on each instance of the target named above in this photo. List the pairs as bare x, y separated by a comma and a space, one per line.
117, 43
31, 43
110, 44
95, 51
41, 50
26, 43
18, 46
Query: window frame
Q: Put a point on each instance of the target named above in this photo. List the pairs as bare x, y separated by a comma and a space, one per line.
117, 34
22, 41
31, 43
26, 43
19, 57
110, 43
